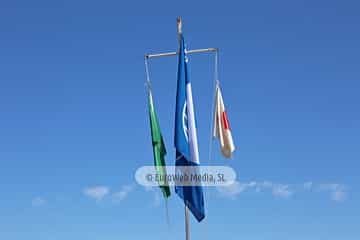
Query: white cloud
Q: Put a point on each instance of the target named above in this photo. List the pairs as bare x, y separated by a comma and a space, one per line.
231, 190
96, 192
281, 190
38, 201
277, 190
308, 185
338, 192
251, 184
339, 195
266, 184
123, 193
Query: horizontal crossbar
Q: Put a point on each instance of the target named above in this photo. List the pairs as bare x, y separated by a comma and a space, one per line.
176, 53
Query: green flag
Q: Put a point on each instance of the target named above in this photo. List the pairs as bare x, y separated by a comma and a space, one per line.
158, 148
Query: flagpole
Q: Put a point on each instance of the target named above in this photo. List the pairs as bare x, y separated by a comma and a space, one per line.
187, 222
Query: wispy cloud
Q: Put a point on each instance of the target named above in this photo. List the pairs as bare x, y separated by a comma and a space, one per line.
277, 190
338, 192
157, 196
308, 185
281, 190
234, 189
123, 193
96, 192
38, 201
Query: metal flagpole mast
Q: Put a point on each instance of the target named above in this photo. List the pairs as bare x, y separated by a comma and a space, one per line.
187, 223
166, 54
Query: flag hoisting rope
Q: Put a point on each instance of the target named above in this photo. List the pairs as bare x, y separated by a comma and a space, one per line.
159, 150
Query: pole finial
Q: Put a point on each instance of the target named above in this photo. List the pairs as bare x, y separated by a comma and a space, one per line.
179, 25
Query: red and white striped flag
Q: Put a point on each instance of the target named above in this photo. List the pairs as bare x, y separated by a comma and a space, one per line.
221, 126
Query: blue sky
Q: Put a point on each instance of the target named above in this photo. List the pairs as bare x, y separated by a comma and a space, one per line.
74, 127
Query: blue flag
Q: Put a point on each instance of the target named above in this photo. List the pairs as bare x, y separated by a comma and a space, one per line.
186, 145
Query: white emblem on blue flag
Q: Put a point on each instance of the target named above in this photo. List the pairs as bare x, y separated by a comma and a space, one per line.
185, 122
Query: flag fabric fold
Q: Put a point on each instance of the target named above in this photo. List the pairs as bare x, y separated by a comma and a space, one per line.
221, 126
159, 149
186, 145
